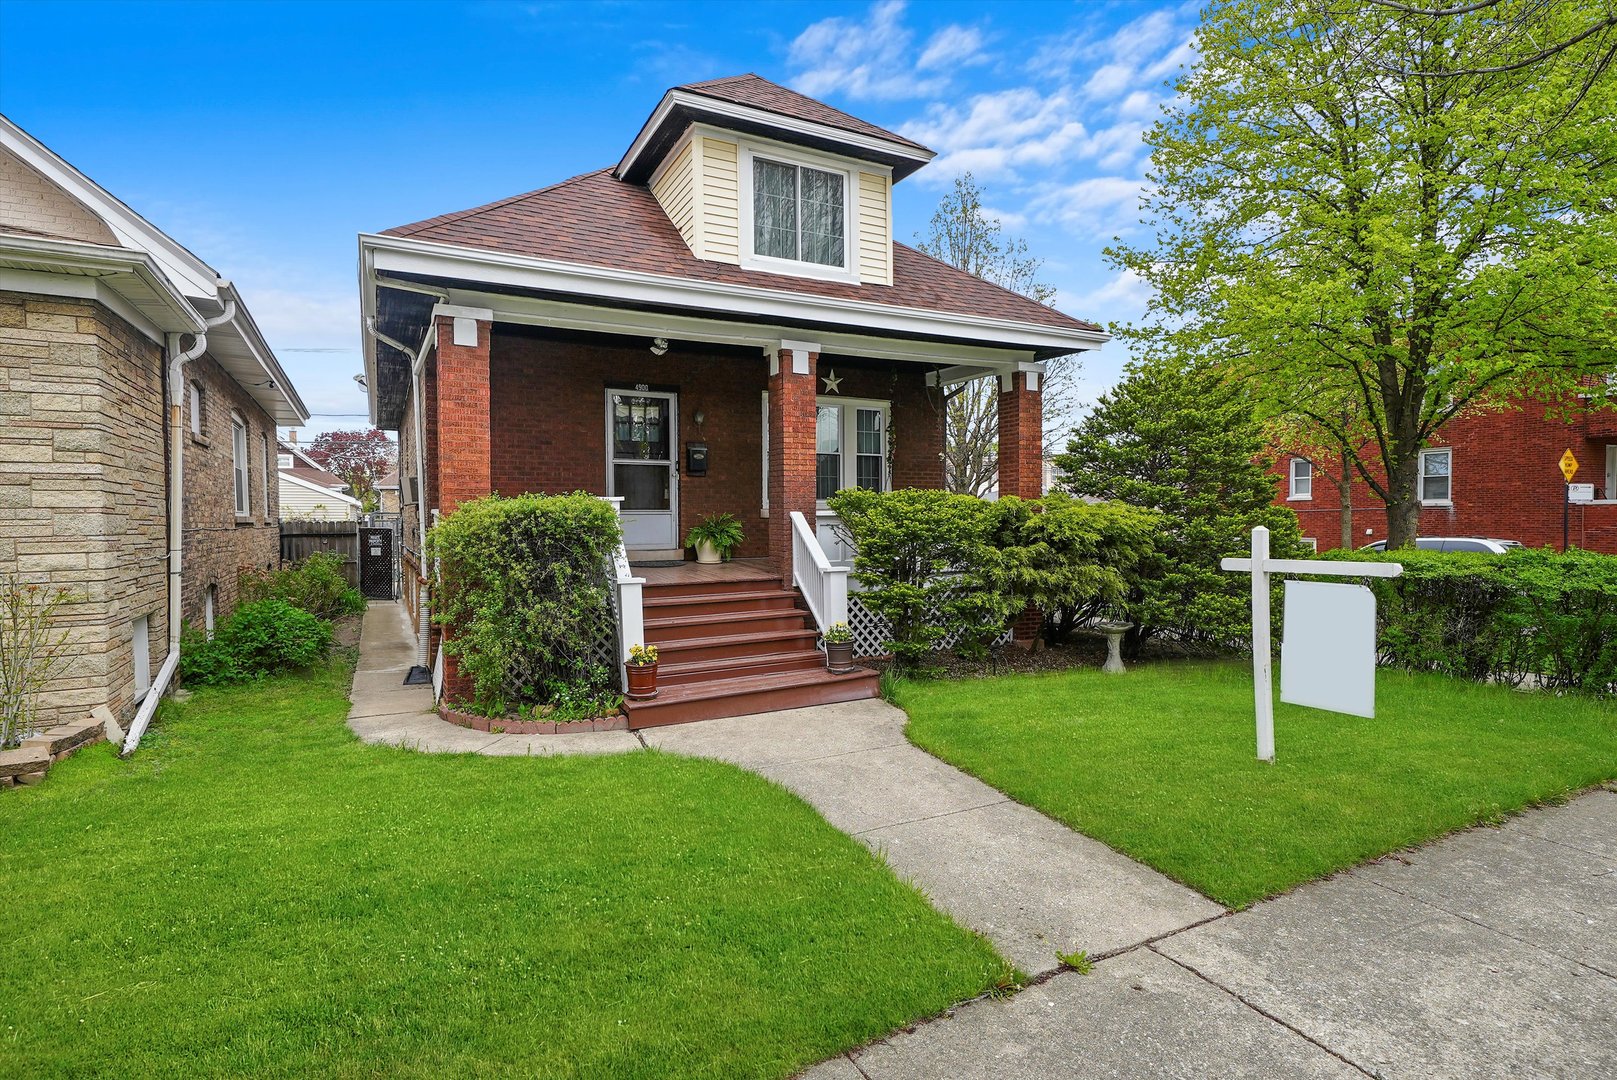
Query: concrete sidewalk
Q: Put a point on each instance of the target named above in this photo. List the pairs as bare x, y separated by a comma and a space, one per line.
1489, 954
386, 711
1031, 885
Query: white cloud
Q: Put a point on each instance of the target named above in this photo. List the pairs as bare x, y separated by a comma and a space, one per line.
869, 59
1096, 208
998, 132
1122, 298
957, 46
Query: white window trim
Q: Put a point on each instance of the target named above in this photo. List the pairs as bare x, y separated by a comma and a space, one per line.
751, 260
240, 461
284, 461
1310, 543
850, 466
1421, 478
1292, 495
264, 473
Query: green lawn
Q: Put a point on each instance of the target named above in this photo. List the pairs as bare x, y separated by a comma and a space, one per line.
257, 893
1160, 764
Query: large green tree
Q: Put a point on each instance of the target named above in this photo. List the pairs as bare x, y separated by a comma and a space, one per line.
1182, 439
1356, 202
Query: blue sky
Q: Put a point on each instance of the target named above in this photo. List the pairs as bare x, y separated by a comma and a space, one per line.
265, 136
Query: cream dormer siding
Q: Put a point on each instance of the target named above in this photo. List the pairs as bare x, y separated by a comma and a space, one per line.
875, 243
675, 189
721, 200
704, 185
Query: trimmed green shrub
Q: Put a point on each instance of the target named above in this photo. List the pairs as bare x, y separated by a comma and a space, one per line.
927, 563
1500, 617
261, 638
524, 584
316, 585
1071, 559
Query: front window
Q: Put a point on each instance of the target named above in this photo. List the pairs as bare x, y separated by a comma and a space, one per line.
238, 454
851, 448
1436, 479
798, 213
1302, 478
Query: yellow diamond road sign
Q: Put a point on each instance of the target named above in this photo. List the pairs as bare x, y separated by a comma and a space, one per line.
1569, 465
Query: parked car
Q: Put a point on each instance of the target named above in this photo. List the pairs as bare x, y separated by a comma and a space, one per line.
1455, 543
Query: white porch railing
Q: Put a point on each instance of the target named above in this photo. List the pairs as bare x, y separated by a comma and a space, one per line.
824, 586
626, 602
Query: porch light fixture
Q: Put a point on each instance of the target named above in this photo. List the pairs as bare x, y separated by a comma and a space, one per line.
659, 346
700, 418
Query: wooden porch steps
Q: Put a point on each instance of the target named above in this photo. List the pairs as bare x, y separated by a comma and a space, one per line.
733, 647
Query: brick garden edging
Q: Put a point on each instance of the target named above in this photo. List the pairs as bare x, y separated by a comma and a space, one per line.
29, 763
498, 726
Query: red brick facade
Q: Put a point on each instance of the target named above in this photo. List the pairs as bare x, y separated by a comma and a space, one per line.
462, 415
1506, 484
791, 450
1021, 463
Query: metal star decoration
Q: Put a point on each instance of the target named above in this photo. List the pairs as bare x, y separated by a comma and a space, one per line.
832, 383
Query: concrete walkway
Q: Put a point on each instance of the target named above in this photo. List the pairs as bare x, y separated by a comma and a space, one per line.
1031, 885
1489, 954
388, 712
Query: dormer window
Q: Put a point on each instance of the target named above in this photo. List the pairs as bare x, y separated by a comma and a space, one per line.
794, 213
798, 213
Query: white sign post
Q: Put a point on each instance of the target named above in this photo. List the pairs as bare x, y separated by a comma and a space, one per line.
1260, 566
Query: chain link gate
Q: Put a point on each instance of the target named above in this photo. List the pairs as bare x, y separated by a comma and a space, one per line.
378, 569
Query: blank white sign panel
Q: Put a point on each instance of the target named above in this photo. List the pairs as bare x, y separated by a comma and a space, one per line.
1328, 657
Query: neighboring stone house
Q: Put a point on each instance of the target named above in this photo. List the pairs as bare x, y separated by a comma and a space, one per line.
1486, 474
387, 491
722, 322
98, 312
309, 492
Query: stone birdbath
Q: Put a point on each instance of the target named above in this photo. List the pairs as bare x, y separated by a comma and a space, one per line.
1114, 632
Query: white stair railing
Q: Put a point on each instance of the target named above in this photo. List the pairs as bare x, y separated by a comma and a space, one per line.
824, 586
627, 590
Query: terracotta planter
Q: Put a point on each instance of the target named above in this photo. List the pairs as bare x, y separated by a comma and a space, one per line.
707, 554
838, 655
642, 681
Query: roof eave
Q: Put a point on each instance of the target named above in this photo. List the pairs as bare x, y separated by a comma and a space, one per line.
680, 108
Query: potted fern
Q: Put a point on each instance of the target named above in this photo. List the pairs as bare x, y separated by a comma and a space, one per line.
642, 669
715, 537
838, 648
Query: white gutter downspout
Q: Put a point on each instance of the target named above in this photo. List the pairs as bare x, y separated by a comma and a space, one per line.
178, 358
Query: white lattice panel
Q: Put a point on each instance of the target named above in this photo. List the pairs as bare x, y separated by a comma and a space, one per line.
871, 631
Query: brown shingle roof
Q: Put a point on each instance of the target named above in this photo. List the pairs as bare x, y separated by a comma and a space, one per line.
316, 476
597, 220
760, 93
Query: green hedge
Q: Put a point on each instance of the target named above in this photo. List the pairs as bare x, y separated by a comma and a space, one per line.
264, 637
525, 584
1500, 617
315, 585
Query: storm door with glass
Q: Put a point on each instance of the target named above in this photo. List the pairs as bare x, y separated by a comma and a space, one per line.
641, 443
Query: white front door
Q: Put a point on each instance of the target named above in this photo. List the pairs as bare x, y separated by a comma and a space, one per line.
641, 444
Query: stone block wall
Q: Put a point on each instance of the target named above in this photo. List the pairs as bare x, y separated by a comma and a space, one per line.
82, 485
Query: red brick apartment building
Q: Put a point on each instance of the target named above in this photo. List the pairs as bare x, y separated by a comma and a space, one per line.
1493, 474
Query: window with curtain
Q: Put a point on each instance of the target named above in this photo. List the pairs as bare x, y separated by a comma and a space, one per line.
850, 448
798, 213
1436, 481
238, 453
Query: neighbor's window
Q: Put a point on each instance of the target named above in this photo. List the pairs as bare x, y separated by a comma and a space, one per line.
1310, 543
238, 456
283, 461
1302, 478
196, 410
1436, 481
797, 213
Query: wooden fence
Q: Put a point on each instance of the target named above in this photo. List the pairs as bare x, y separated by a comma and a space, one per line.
300, 539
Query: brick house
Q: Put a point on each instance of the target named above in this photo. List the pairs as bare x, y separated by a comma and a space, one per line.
1493, 474
149, 511
721, 322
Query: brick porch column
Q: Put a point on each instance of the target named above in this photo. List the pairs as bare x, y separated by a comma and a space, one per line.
792, 383
1021, 460
461, 419
464, 461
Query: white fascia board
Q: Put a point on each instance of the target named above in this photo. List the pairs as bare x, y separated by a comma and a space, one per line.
531, 311
195, 277
246, 329
288, 478
402, 255
367, 313
96, 262
731, 110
